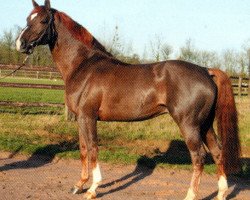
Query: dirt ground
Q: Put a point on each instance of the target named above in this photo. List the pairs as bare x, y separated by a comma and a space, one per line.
38, 178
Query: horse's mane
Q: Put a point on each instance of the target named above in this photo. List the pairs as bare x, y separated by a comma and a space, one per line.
80, 33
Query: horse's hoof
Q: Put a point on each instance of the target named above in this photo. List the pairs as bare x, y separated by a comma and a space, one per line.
90, 195
76, 190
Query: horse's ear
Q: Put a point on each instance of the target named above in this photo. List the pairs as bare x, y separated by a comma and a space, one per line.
47, 4
35, 4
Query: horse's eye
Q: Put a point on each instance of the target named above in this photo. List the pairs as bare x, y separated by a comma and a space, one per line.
45, 21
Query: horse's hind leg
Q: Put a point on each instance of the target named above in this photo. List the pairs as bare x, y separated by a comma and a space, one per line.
194, 143
214, 148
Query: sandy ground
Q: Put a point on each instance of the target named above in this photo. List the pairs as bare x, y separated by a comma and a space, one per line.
38, 178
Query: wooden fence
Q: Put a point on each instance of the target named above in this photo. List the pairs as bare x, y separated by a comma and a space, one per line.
241, 85
69, 116
32, 85
30, 72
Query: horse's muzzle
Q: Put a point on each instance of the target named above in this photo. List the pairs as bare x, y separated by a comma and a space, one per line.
24, 47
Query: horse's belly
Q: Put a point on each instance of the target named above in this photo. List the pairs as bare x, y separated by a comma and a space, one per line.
125, 113
137, 102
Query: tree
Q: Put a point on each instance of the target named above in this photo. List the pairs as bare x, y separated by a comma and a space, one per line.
114, 46
120, 50
208, 59
246, 57
188, 52
132, 59
203, 58
7, 43
166, 51
160, 50
230, 60
41, 57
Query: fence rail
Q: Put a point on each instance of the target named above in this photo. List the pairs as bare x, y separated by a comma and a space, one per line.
31, 68
32, 85
30, 72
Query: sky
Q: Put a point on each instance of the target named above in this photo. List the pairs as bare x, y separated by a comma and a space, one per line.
214, 25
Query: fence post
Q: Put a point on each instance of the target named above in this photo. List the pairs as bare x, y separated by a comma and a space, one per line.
240, 86
37, 74
249, 87
248, 52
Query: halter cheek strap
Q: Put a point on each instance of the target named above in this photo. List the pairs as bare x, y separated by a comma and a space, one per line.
50, 30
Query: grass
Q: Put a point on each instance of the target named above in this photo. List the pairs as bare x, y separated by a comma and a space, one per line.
31, 95
155, 142
31, 110
32, 81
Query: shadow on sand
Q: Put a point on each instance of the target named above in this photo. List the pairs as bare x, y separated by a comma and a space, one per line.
177, 153
240, 182
40, 157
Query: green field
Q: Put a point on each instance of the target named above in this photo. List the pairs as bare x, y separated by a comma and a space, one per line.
31, 80
30, 95
152, 142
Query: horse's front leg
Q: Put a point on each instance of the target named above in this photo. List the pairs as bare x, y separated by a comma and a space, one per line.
87, 145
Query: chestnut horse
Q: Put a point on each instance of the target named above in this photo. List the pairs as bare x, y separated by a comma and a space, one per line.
100, 87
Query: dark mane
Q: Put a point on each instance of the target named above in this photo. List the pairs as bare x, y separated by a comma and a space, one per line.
80, 33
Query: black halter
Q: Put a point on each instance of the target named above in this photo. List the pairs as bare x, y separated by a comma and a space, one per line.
50, 31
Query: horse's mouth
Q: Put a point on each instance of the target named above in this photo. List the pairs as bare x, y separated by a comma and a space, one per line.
28, 50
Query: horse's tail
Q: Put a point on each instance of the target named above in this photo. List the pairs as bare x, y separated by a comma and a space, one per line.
227, 122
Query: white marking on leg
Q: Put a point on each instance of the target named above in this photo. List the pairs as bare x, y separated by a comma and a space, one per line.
195, 182
97, 178
222, 184
190, 195
18, 41
33, 16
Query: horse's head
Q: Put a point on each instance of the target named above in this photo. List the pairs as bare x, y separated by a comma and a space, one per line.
39, 29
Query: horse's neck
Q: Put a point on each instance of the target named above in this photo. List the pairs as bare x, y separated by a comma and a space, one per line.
67, 52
